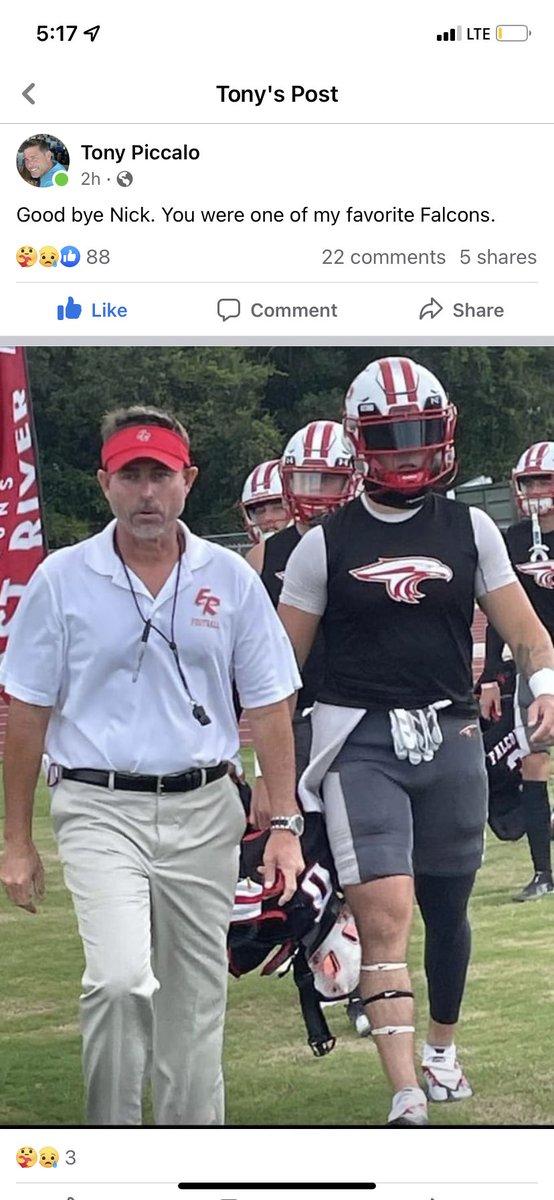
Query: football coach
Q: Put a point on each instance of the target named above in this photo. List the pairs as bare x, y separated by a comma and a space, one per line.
120, 666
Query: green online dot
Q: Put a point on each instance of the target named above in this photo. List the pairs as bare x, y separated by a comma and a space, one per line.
61, 178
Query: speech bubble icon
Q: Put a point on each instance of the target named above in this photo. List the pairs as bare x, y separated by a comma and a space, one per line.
228, 308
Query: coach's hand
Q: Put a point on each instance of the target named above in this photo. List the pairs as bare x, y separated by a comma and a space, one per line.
22, 874
489, 702
541, 719
283, 852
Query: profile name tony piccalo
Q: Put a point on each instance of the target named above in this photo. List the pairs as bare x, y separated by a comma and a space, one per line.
145, 152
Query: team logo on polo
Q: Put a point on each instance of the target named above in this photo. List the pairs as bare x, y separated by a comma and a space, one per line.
208, 602
402, 576
542, 572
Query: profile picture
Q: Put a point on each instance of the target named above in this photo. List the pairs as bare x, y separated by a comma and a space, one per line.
43, 160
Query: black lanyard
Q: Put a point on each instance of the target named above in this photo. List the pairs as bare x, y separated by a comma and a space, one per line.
198, 711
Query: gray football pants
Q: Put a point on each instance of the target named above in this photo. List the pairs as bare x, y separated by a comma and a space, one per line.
153, 881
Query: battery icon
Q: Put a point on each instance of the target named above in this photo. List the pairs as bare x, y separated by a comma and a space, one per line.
512, 33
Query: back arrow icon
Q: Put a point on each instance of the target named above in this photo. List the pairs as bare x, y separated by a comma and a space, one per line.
29, 88
431, 309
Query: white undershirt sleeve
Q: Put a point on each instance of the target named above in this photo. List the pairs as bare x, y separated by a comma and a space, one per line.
305, 582
494, 569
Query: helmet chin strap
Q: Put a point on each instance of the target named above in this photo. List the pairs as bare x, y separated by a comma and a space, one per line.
393, 499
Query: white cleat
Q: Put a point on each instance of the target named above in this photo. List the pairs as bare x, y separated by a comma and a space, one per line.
409, 1109
444, 1082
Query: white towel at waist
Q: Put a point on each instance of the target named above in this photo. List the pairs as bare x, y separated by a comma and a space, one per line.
331, 725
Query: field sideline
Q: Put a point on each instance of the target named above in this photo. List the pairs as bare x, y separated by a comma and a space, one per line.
272, 1079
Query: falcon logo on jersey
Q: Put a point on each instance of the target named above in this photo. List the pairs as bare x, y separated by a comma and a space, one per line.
402, 576
542, 572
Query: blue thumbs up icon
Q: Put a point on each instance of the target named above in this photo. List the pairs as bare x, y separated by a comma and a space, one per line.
69, 256
71, 312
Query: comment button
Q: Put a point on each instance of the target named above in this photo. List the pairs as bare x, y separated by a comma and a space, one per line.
228, 307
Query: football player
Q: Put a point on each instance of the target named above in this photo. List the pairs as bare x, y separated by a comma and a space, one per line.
261, 504
317, 475
530, 544
397, 757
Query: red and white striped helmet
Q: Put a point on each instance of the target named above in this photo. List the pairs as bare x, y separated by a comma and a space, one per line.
394, 407
533, 479
263, 489
317, 470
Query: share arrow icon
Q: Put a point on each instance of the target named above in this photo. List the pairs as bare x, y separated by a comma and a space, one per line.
431, 309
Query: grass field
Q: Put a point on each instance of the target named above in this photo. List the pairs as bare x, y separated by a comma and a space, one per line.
506, 1040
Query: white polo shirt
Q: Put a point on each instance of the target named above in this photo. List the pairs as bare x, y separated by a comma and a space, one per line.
75, 643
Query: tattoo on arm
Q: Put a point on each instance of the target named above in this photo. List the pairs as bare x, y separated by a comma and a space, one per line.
531, 658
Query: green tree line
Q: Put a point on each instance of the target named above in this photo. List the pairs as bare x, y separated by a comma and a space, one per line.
241, 404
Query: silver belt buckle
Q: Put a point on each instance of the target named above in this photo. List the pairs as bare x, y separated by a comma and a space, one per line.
203, 776
159, 785
111, 781
54, 774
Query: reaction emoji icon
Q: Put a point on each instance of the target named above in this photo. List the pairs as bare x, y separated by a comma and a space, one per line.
26, 1157
69, 256
26, 256
49, 1157
49, 256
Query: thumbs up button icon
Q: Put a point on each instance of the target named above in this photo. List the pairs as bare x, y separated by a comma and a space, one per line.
69, 256
71, 312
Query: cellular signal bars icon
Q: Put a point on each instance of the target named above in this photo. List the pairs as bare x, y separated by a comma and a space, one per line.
451, 35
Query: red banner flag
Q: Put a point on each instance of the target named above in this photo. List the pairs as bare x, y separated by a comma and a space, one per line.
22, 542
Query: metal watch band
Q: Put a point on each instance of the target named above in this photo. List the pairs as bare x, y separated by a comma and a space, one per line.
294, 823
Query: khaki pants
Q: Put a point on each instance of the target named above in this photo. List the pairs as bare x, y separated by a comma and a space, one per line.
152, 880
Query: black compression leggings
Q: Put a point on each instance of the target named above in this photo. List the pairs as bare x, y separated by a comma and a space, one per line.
443, 902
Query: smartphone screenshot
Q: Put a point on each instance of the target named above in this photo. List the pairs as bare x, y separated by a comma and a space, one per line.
276, 601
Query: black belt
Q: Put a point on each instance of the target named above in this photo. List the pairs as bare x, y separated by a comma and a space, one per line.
185, 781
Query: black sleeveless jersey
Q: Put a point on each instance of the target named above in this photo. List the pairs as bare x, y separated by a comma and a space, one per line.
277, 550
400, 607
536, 577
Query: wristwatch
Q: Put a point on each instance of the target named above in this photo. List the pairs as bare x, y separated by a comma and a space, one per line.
294, 824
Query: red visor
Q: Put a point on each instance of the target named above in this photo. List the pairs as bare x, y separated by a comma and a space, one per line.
145, 441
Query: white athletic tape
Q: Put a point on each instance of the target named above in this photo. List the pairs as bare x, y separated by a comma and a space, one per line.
383, 966
542, 682
388, 1029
